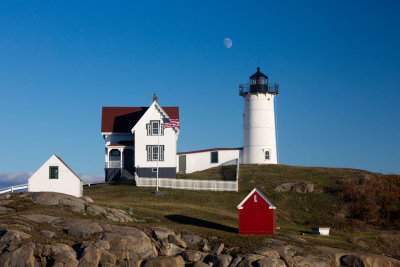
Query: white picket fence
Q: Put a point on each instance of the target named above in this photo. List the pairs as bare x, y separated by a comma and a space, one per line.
190, 184
13, 188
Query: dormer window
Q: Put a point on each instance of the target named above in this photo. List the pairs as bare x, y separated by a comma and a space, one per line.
155, 128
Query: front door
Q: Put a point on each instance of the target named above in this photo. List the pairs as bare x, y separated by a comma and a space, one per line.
182, 163
129, 161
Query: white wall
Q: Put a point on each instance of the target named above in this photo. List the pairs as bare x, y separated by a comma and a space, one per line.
199, 161
259, 129
169, 140
66, 183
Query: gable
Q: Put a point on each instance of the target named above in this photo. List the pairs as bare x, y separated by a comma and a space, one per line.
123, 119
59, 162
255, 190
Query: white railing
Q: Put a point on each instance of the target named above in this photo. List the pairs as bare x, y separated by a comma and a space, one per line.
190, 184
13, 188
114, 164
212, 185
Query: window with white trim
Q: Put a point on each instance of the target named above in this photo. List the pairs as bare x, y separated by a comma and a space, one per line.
155, 153
267, 156
255, 198
155, 128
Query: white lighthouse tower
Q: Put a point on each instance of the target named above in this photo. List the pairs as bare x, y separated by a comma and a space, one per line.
259, 137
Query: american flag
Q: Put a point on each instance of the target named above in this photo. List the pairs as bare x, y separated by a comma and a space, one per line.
170, 123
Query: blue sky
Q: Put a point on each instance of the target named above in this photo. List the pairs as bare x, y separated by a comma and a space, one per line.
337, 63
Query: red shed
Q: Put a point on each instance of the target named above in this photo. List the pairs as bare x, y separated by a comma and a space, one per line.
256, 214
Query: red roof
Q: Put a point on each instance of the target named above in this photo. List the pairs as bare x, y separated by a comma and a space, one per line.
206, 150
123, 143
123, 119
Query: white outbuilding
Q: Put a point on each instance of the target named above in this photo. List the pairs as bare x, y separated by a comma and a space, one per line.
55, 176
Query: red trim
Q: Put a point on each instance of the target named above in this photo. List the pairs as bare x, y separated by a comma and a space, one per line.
68, 167
206, 150
123, 143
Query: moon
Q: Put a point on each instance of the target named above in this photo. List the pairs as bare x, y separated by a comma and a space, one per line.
227, 42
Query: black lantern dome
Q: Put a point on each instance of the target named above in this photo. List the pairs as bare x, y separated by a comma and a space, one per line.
258, 84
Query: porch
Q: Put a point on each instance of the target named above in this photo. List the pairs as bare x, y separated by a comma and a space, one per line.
120, 161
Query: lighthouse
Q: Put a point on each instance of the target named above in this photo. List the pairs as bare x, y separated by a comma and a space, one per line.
259, 135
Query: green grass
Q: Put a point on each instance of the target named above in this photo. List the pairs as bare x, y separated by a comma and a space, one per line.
209, 213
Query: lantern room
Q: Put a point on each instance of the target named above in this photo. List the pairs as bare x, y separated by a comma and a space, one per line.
258, 82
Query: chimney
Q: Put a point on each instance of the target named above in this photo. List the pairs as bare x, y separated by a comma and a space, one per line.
154, 97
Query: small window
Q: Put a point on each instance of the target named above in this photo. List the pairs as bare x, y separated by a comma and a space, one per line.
154, 169
53, 172
155, 152
255, 198
155, 125
266, 154
214, 157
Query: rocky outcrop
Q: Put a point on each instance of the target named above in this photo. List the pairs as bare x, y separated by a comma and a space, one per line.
296, 187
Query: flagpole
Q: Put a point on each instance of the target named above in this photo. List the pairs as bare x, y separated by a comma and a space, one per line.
158, 150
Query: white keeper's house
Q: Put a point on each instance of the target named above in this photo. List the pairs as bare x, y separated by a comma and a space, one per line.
142, 141
55, 176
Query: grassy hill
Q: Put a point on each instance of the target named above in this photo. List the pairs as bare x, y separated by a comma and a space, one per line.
210, 213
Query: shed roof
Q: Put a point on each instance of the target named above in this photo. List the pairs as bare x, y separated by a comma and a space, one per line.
123, 119
271, 206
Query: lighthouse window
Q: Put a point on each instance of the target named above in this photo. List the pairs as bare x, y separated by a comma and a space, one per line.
267, 155
214, 157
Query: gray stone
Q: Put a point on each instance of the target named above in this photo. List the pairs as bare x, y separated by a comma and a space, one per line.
121, 215
47, 233
176, 239
205, 245
5, 202
217, 249
129, 243
103, 244
87, 199
351, 261
176, 261
191, 240
5, 210
249, 259
11, 239
161, 233
169, 249
40, 218
90, 255
107, 258
235, 261
96, 210
192, 255
218, 260
297, 187
83, 228
22, 256
63, 255
268, 252
270, 262
200, 264
74, 203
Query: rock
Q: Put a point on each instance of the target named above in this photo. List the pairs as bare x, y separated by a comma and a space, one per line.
200, 264
63, 255
131, 263
249, 259
96, 210
192, 255
270, 262
76, 204
218, 260
11, 239
297, 187
308, 261
44, 198
129, 243
205, 245
5, 196
351, 261
107, 258
119, 214
47, 233
82, 228
268, 252
90, 255
88, 199
161, 233
168, 249
40, 218
176, 239
217, 249
235, 261
191, 240
103, 244
165, 262
22, 256
5, 210
5, 202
